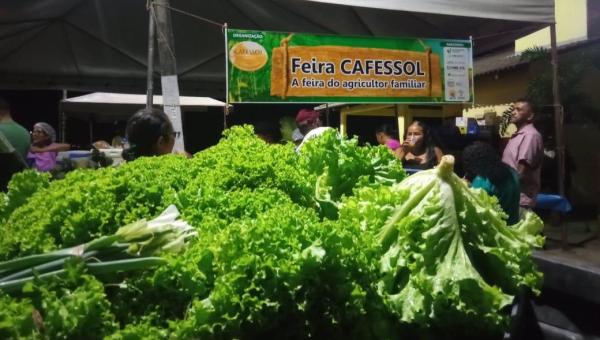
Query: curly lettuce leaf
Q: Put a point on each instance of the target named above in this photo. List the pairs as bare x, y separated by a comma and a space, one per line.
450, 259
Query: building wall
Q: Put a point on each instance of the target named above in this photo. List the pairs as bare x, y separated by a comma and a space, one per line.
501, 87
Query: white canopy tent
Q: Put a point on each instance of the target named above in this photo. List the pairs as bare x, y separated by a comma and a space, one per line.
100, 45
107, 107
103, 107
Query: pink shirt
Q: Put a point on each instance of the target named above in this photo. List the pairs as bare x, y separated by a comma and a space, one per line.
393, 144
43, 161
526, 146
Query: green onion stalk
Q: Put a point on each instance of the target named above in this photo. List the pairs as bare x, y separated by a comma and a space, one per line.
135, 246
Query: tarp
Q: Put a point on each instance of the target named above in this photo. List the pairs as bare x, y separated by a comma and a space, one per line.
109, 107
99, 45
523, 10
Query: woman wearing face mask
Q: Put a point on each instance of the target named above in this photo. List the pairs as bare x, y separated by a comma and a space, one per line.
44, 149
418, 150
150, 133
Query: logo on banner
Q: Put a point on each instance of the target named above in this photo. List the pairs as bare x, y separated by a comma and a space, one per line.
248, 56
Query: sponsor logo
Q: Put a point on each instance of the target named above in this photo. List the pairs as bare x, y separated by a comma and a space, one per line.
248, 56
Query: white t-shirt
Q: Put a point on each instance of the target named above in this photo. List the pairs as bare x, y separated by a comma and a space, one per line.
297, 135
312, 134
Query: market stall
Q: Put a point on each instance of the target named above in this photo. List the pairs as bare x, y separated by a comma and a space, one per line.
334, 241
403, 113
103, 107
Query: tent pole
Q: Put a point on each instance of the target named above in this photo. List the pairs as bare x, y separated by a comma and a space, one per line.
226, 108
168, 65
558, 128
558, 114
150, 71
62, 128
91, 130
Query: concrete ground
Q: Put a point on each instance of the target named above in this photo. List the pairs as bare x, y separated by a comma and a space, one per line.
583, 245
569, 306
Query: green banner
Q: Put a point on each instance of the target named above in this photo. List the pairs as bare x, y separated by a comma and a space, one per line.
276, 67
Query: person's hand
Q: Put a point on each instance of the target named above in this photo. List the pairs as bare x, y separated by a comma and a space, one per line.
399, 153
406, 145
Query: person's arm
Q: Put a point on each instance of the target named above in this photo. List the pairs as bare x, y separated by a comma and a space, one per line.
402, 151
54, 147
531, 153
522, 166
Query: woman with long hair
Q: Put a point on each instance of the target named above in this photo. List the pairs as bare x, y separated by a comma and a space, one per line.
418, 150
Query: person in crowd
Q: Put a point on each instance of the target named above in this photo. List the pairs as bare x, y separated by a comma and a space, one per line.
267, 131
310, 125
150, 133
44, 149
297, 136
14, 144
385, 135
10, 160
16, 134
525, 152
118, 140
484, 169
418, 150
101, 144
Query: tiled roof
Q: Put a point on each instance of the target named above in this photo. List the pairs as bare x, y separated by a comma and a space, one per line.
508, 59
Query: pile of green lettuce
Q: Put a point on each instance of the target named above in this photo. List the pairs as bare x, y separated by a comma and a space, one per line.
328, 242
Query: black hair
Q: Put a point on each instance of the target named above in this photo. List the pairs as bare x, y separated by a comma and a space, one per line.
428, 139
143, 130
528, 102
481, 159
4, 105
388, 130
267, 130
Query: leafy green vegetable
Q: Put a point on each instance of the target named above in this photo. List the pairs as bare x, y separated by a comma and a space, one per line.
16, 318
451, 261
72, 307
22, 185
132, 247
324, 243
285, 274
342, 166
88, 204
